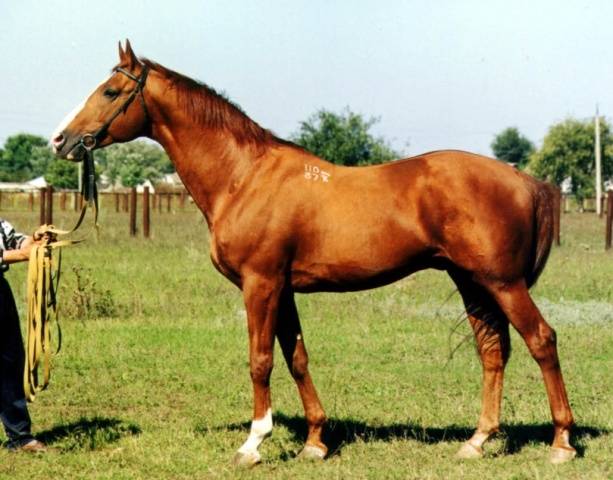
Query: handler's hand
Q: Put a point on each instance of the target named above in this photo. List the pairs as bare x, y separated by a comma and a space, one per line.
40, 235
23, 253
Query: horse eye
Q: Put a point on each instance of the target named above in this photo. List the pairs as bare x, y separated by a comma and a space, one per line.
111, 93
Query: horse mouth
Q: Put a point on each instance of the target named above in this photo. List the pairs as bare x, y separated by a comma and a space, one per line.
74, 152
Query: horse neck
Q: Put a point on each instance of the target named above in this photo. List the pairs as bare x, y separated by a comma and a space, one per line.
210, 162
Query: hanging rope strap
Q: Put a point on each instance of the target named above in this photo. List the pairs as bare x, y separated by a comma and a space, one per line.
41, 314
42, 287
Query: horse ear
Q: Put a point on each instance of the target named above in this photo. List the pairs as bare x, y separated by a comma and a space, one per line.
131, 56
122, 54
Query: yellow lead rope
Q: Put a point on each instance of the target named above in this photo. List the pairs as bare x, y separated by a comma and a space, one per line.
42, 286
41, 314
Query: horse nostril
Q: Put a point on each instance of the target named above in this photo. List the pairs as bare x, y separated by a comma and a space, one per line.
59, 141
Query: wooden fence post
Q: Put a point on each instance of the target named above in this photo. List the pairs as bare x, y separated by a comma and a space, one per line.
42, 213
31, 201
557, 204
182, 200
63, 201
133, 212
49, 212
609, 227
168, 201
116, 202
146, 212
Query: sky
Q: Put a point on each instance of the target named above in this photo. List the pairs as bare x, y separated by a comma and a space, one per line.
438, 74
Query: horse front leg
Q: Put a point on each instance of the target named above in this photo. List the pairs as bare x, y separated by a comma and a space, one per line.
291, 340
261, 297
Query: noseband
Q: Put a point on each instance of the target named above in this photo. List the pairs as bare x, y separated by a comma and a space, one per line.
89, 141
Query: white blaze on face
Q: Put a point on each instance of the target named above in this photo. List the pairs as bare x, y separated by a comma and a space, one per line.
74, 112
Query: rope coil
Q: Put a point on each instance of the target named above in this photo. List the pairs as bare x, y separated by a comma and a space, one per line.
42, 287
42, 314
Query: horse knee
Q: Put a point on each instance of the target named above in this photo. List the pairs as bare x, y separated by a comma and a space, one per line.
260, 367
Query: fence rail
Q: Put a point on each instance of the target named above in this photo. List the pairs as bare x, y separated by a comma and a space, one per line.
128, 201
48, 199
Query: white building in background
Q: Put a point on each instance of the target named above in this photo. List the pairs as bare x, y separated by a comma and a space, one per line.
16, 187
172, 179
29, 186
168, 182
38, 182
567, 186
147, 183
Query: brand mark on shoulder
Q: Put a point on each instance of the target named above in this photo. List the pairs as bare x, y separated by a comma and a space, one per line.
315, 174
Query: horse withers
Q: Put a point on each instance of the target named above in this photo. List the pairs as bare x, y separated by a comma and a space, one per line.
282, 221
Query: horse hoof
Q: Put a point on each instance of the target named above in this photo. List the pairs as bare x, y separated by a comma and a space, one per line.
562, 455
311, 452
468, 451
246, 459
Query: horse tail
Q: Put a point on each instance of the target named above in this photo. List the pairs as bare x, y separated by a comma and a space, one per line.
543, 231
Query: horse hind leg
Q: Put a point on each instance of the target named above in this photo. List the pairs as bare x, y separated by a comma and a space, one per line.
291, 340
515, 301
491, 329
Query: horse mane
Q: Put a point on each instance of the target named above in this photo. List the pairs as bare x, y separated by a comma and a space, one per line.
211, 109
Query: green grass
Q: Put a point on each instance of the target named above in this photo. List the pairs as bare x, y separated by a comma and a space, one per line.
161, 388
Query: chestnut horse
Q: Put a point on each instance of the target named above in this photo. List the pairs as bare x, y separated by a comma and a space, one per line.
282, 221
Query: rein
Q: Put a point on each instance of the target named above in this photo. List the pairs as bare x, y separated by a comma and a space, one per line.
44, 273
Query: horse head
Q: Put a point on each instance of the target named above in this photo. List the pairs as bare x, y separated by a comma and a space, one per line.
109, 114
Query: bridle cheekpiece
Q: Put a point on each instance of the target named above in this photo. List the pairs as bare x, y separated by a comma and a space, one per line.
89, 141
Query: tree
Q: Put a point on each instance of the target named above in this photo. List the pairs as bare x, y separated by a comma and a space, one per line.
512, 147
16, 160
133, 163
41, 157
343, 138
568, 151
62, 174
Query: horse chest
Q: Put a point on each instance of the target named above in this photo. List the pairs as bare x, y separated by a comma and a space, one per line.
223, 261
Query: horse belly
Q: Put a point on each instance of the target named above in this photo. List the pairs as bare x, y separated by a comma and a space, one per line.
358, 261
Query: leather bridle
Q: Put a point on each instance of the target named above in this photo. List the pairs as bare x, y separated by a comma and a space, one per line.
89, 141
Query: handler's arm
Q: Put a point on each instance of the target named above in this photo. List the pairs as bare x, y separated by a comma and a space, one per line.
20, 254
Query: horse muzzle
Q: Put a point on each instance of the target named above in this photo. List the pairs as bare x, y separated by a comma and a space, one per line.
72, 147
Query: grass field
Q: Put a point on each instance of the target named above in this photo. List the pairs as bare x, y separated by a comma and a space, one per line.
153, 381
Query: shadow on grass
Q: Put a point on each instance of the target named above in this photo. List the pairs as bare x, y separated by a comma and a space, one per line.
88, 433
342, 432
